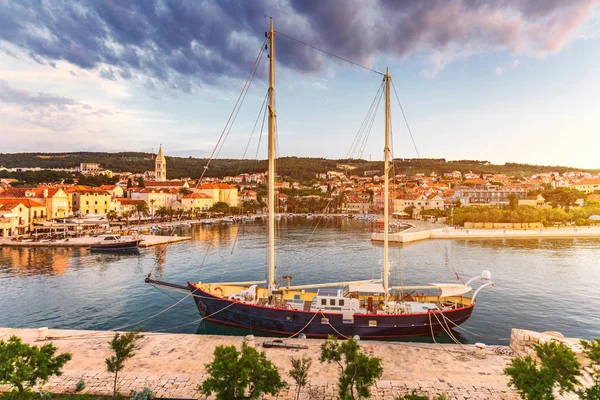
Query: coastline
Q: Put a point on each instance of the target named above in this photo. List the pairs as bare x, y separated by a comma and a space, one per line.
173, 365
86, 241
423, 232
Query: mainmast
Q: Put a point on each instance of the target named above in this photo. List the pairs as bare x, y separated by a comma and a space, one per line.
271, 180
386, 211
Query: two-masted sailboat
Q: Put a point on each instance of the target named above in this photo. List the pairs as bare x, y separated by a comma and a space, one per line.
370, 309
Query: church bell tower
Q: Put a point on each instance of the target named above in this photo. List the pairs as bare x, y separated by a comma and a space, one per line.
160, 170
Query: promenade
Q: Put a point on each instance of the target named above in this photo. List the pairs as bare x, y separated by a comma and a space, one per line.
86, 241
425, 231
173, 365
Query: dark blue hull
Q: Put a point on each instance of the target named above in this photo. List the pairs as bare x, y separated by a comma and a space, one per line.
288, 322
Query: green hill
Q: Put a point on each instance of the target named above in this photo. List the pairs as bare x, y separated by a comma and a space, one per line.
295, 168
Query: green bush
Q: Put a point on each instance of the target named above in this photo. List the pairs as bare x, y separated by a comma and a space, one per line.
245, 374
145, 394
123, 346
358, 371
80, 385
558, 368
23, 365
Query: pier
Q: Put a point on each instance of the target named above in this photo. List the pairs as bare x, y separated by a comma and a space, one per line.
425, 231
173, 365
86, 241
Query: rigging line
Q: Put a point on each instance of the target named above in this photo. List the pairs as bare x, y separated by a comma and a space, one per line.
234, 109
260, 112
353, 147
262, 127
473, 333
330, 53
368, 132
241, 103
433, 337
361, 128
446, 258
319, 221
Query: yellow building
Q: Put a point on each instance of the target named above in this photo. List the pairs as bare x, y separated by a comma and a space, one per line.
198, 201
220, 192
91, 201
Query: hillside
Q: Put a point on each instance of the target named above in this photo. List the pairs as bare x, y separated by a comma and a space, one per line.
295, 168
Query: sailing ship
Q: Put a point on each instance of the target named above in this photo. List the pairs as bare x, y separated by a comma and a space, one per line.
371, 309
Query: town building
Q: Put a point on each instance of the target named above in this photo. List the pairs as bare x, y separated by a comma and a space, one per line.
196, 201
91, 201
589, 185
160, 170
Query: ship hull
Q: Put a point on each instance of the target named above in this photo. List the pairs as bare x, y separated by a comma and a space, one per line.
321, 325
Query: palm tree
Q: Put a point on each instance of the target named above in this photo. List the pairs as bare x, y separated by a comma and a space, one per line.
161, 212
141, 208
111, 215
127, 214
152, 206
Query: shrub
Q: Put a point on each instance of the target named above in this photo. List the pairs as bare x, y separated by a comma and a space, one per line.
558, 367
145, 394
591, 349
358, 371
299, 372
23, 365
123, 346
241, 374
80, 385
416, 396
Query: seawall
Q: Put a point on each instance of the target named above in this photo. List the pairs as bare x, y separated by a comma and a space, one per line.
173, 365
466, 234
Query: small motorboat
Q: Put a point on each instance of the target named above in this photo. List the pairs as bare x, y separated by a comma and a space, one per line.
115, 243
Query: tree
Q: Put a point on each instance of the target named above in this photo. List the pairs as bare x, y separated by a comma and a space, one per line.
123, 345
140, 182
245, 374
129, 183
299, 372
184, 191
358, 371
513, 201
591, 349
111, 215
558, 366
141, 208
127, 214
220, 207
23, 365
152, 201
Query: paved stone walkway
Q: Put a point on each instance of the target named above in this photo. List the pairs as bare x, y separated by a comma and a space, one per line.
172, 365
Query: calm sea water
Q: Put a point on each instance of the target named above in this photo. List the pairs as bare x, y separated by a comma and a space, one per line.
540, 284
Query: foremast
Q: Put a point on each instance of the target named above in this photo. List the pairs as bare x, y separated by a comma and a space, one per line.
386, 186
271, 177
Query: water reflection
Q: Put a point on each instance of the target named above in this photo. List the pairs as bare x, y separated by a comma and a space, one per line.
548, 284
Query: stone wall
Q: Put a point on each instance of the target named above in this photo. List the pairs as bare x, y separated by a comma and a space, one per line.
522, 341
502, 225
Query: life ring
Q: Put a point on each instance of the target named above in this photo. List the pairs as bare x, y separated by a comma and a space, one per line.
218, 288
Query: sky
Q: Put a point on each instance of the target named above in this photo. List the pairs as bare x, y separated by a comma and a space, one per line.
503, 80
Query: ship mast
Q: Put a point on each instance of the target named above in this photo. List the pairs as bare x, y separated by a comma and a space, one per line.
386, 195
271, 177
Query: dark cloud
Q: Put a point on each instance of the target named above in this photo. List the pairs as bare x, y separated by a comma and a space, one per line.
182, 43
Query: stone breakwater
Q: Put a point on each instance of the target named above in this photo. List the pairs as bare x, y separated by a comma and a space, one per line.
173, 365
413, 235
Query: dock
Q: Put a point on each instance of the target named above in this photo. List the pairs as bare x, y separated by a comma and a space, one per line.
425, 232
173, 365
86, 241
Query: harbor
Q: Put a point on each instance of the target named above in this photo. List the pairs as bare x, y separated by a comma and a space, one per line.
173, 365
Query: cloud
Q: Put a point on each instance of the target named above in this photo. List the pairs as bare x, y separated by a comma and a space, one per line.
499, 71
515, 63
47, 110
183, 44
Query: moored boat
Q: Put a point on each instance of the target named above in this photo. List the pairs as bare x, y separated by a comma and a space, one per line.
115, 243
372, 309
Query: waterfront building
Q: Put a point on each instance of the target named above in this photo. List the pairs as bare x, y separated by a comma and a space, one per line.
115, 190
490, 195
155, 198
28, 212
220, 192
55, 199
166, 184
91, 201
160, 170
193, 201
89, 168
